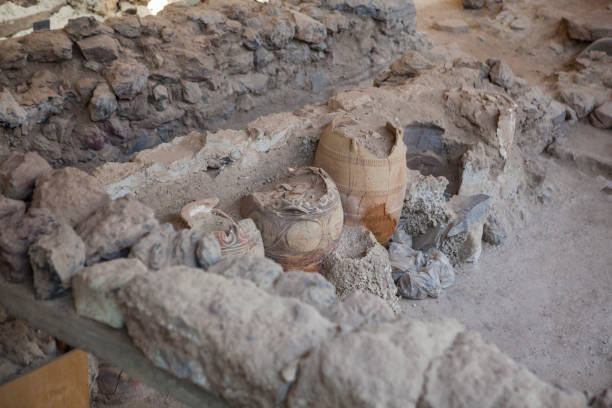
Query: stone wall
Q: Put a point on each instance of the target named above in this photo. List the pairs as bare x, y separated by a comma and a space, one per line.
95, 92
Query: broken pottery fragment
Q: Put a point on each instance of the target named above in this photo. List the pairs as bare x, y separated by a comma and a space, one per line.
94, 289
226, 335
300, 219
196, 212
360, 262
368, 165
55, 258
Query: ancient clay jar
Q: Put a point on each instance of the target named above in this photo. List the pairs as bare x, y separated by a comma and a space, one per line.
369, 167
300, 220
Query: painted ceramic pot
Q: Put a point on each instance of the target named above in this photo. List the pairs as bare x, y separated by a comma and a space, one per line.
300, 220
372, 186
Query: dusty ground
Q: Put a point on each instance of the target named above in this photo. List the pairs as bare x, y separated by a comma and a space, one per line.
544, 297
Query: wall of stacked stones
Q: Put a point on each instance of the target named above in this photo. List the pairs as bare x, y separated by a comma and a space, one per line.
95, 92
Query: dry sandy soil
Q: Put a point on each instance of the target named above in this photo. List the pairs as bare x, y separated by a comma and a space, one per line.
545, 297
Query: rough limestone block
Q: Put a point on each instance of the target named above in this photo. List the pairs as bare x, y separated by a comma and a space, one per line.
16, 236
127, 78
263, 272
102, 104
602, 116
55, 258
100, 48
115, 227
310, 288
95, 288
14, 209
226, 335
380, 365
272, 131
48, 46
69, 193
475, 374
19, 171
308, 29
11, 113
361, 308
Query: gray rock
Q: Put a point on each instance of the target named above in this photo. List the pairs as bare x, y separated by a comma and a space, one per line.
589, 26
81, 27
263, 57
228, 336
19, 171
114, 228
308, 29
208, 251
468, 211
100, 48
339, 373
360, 262
318, 82
501, 74
69, 193
473, 4
11, 210
48, 46
128, 26
127, 78
17, 235
580, 99
261, 271
410, 64
310, 288
452, 25
191, 92
103, 103
95, 288
155, 250
389, 10
601, 117
55, 258
475, 374
494, 232
11, 113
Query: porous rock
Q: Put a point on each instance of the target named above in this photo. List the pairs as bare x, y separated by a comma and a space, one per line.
23, 345
19, 171
15, 238
475, 374
95, 287
115, 227
360, 262
340, 372
55, 258
248, 341
154, 249
263, 272
424, 203
69, 193
127, 78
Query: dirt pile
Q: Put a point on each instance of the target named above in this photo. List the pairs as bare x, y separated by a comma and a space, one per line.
133, 82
